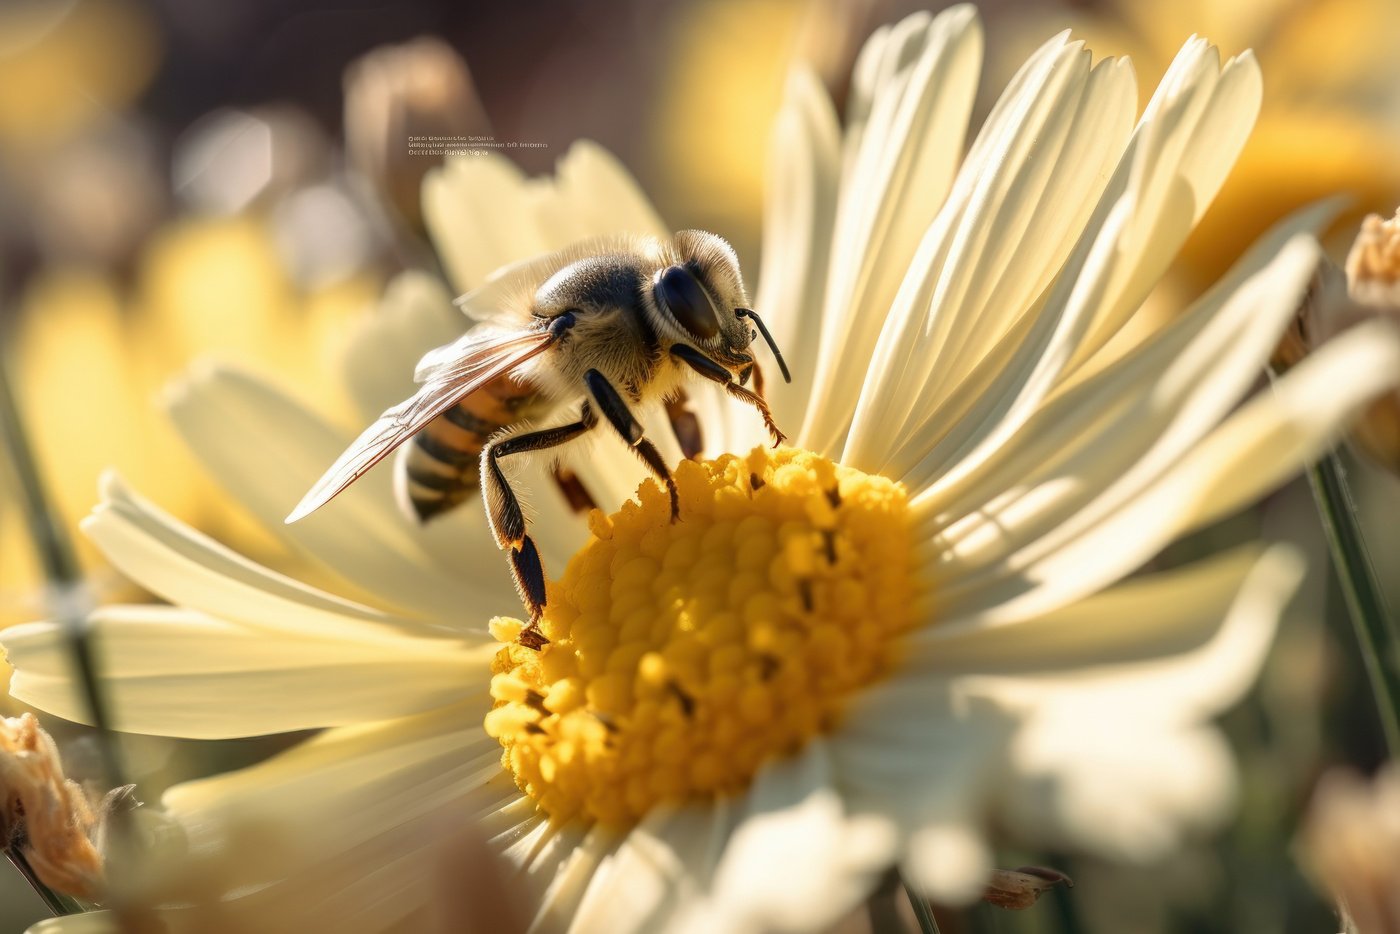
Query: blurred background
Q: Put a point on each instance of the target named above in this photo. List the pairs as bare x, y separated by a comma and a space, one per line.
187, 177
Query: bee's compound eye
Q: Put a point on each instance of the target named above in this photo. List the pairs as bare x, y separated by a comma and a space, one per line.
680, 293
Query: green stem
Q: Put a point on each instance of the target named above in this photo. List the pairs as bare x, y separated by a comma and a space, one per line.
922, 911
56, 902
1379, 641
68, 598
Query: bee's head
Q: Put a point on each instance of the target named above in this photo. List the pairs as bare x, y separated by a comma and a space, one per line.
700, 296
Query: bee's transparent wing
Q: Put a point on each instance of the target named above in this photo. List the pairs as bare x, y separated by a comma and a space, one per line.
448, 374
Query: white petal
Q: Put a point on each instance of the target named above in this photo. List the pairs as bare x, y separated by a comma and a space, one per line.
1149, 208
921, 751
1112, 757
1142, 619
87, 922
901, 160
414, 316
657, 871
1116, 789
796, 861
174, 672
351, 823
592, 195
1252, 452
1097, 445
1016, 208
1195, 126
190, 569
561, 880
948, 863
477, 213
268, 451
803, 163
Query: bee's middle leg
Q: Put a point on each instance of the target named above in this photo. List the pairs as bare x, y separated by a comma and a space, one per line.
507, 519
615, 410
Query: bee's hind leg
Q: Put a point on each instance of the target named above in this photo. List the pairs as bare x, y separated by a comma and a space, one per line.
615, 410
507, 520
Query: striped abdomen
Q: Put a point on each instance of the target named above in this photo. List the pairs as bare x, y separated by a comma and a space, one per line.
441, 466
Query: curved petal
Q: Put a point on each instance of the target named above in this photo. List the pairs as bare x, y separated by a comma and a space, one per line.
1157, 193
657, 871
1010, 222
189, 569
798, 213
174, 672
477, 216
1252, 452
87, 922
1117, 790
268, 451
348, 830
592, 195
1091, 449
1148, 617
1113, 757
919, 749
797, 859
901, 153
414, 316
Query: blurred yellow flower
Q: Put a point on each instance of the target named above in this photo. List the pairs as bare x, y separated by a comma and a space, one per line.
65, 64
1328, 124
91, 355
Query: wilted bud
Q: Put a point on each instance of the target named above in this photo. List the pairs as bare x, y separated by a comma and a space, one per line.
1373, 281
1351, 844
1018, 889
419, 89
1337, 300
48, 818
1373, 265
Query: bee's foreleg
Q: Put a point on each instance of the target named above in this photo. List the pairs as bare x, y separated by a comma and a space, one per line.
717, 373
615, 410
507, 519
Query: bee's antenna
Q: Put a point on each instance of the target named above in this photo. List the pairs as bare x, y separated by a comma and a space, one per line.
778, 354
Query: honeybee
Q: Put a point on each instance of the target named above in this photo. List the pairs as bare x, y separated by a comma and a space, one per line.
615, 322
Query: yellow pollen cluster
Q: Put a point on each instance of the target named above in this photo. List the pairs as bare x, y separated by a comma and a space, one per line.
683, 655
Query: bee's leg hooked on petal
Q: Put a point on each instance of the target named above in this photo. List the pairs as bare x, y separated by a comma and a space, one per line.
716, 372
507, 520
614, 409
686, 426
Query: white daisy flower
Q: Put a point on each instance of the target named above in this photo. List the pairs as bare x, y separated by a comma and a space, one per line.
847, 656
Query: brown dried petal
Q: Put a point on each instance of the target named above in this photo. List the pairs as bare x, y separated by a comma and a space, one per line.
1351, 844
1018, 889
46, 815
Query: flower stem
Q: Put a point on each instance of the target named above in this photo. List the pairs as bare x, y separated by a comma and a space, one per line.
922, 911
56, 902
68, 601
1376, 634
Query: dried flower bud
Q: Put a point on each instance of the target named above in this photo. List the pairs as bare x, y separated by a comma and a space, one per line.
1018, 889
419, 89
1373, 265
1351, 844
46, 816
1336, 301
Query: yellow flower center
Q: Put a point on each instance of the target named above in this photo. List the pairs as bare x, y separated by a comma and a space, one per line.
683, 655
